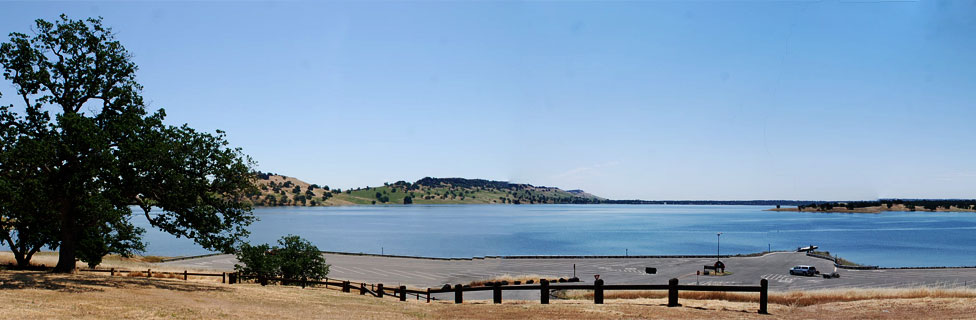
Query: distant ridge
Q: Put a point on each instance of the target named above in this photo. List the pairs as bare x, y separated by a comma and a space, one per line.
279, 190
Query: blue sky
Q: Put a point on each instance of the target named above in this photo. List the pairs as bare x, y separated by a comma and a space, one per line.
651, 100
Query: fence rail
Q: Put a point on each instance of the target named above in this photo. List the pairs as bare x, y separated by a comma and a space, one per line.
186, 274
544, 287
599, 288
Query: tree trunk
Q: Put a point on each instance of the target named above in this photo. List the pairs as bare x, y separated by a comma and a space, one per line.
22, 261
66, 255
66, 250
22, 254
30, 254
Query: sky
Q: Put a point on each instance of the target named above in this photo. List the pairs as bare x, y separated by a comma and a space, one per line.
657, 100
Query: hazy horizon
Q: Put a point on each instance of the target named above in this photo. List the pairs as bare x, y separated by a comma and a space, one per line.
625, 100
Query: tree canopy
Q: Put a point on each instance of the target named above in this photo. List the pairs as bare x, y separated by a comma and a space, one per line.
293, 258
84, 148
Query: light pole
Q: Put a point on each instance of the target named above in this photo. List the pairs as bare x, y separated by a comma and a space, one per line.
718, 247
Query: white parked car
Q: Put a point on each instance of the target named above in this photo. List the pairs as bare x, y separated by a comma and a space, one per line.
804, 271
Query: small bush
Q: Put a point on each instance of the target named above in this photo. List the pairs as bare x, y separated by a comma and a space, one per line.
293, 258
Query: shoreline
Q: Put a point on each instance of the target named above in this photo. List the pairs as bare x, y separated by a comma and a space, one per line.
587, 257
864, 210
511, 257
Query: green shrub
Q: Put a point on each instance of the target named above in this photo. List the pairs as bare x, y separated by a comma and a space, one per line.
292, 258
256, 261
298, 258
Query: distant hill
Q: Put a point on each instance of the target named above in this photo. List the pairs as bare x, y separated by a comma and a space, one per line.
881, 205
278, 190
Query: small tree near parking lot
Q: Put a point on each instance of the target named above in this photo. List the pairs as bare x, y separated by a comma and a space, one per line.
256, 261
299, 259
292, 258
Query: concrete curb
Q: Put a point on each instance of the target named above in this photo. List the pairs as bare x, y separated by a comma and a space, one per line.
191, 257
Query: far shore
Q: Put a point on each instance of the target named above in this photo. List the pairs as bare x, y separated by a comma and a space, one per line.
874, 209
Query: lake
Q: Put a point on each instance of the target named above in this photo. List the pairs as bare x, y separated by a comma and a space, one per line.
890, 239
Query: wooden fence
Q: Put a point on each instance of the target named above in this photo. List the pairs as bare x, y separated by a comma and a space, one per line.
186, 274
544, 287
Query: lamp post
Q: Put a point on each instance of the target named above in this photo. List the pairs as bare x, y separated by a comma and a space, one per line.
718, 247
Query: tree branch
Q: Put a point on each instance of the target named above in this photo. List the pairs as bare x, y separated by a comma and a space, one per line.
146, 212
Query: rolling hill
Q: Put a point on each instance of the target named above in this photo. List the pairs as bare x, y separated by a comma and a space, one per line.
279, 190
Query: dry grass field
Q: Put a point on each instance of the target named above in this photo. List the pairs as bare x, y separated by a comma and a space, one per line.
41, 295
142, 263
791, 298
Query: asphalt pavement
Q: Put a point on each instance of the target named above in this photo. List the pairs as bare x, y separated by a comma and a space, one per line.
434, 273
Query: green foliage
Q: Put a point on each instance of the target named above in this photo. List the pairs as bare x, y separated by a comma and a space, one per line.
256, 261
299, 259
292, 258
83, 168
407, 200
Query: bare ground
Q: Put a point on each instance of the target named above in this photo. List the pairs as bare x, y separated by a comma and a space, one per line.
35, 294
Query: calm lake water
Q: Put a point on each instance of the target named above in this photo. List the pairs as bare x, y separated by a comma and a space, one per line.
889, 239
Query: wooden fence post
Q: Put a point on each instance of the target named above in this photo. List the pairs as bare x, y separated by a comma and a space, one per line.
428, 295
544, 293
458, 294
598, 291
184, 275
763, 295
362, 289
673, 293
304, 282
223, 277
326, 282
113, 272
379, 290
496, 293
149, 273
345, 286
403, 293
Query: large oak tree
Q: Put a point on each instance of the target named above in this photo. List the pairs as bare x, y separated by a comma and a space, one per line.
85, 149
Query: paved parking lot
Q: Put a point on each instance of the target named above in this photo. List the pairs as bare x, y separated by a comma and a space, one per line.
423, 273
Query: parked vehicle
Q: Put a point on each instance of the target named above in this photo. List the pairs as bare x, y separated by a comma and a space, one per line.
804, 271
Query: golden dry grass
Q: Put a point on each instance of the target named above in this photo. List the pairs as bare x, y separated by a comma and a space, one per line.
790, 298
41, 295
138, 265
50, 258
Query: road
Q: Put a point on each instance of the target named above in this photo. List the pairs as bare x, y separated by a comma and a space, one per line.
424, 273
